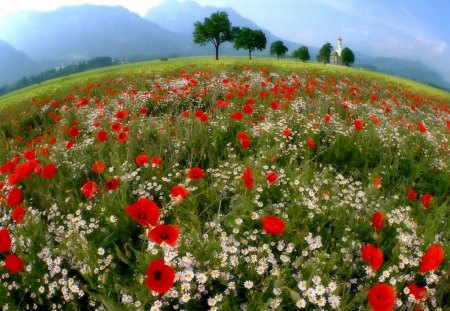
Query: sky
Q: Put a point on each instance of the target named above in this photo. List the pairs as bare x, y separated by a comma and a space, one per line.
410, 29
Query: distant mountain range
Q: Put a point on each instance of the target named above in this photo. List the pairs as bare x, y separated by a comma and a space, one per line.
35, 41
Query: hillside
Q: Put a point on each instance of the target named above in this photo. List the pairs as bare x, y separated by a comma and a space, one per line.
14, 64
196, 184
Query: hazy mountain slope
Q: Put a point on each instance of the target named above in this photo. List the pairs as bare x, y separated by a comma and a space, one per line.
80, 32
180, 17
14, 64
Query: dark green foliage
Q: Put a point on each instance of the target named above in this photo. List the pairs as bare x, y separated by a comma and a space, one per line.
302, 54
215, 29
250, 40
278, 48
347, 56
324, 53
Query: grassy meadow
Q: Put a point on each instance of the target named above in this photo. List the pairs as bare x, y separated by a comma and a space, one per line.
195, 184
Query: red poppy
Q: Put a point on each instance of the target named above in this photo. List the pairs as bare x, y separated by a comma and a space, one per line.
273, 225
164, 233
102, 136
358, 125
116, 126
426, 200
160, 277
382, 297
419, 293
121, 114
378, 220
196, 173
327, 118
246, 144
18, 214
241, 136
156, 162
236, 116
141, 159
248, 109
13, 179
372, 255
73, 132
29, 154
287, 132
14, 197
89, 189
144, 211
203, 117
377, 182
49, 171
222, 103
111, 184
122, 137
13, 263
70, 144
143, 110
411, 194
432, 258
25, 169
5, 240
271, 177
98, 167
421, 126
179, 192
247, 178
310, 143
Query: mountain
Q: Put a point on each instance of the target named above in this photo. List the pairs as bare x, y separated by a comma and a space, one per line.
86, 31
413, 70
14, 64
180, 17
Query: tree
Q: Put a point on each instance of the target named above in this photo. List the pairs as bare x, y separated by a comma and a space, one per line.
324, 53
215, 29
347, 56
278, 48
302, 54
249, 39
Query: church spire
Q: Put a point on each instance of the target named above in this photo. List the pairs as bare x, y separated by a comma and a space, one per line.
339, 45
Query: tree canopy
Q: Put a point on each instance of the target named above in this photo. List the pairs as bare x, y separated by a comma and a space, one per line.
324, 53
302, 53
249, 39
347, 56
278, 48
215, 29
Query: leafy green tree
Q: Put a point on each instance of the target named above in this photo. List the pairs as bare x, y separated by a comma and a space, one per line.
215, 29
302, 54
278, 48
347, 56
249, 39
324, 53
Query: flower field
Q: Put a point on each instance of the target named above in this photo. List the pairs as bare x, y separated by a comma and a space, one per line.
247, 187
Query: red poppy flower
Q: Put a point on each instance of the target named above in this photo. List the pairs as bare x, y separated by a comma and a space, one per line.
222, 103
18, 214
5, 240
246, 144
196, 173
287, 132
377, 182
143, 110
156, 162
419, 293
381, 297
203, 117
13, 263
111, 184
247, 178
372, 255
426, 200
327, 118
49, 171
378, 220
432, 258
70, 144
89, 189
122, 137
273, 225
13, 179
421, 126
98, 167
141, 159
116, 126
236, 116
165, 233
102, 136
310, 143
248, 109
121, 114
14, 197
25, 169
144, 211
271, 177
242, 136
73, 132
358, 125
160, 277
29, 154
179, 192
411, 194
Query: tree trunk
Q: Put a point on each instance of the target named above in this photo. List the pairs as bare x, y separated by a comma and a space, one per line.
250, 54
217, 52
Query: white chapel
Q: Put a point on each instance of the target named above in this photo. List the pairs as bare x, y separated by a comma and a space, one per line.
335, 57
